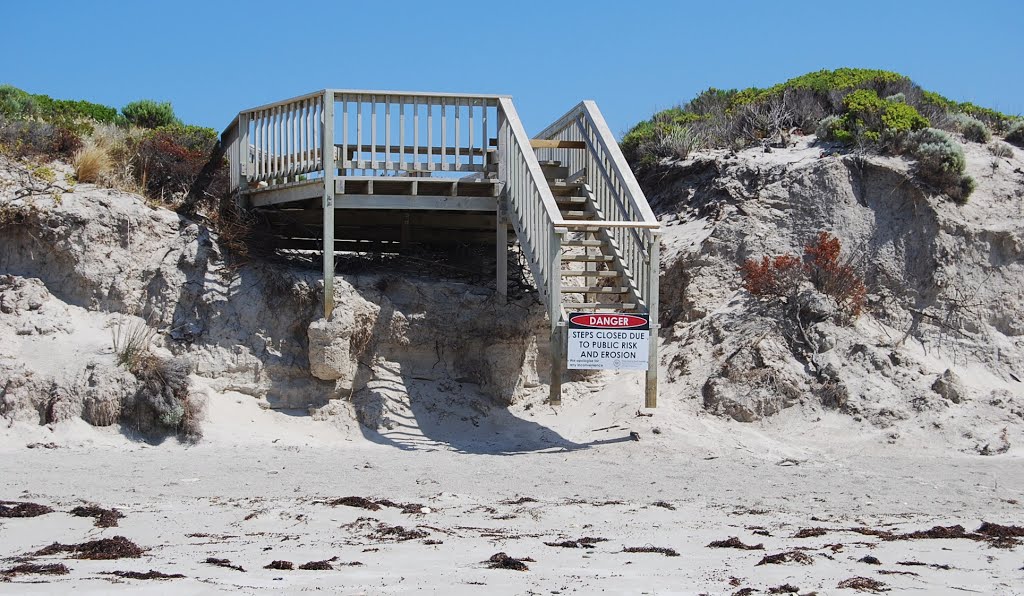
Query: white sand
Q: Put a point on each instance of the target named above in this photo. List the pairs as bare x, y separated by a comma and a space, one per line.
250, 488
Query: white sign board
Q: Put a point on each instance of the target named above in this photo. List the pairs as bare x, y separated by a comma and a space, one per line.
615, 341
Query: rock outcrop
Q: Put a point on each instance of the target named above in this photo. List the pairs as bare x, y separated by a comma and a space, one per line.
945, 286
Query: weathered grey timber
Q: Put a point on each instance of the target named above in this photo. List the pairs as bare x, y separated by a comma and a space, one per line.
588, 233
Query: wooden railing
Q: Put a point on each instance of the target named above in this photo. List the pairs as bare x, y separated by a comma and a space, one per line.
389, 132
628, 222
374, 133
277, 142
532, 207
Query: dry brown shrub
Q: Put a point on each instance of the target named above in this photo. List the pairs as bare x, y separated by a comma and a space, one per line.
91, 163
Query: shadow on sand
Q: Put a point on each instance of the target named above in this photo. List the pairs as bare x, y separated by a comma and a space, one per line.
421, 415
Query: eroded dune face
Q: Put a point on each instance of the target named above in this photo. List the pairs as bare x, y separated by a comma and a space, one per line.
939, 341
940, 336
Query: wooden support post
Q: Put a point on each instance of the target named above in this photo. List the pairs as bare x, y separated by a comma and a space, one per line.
557, 362
555, 315
651, 382
501, 251
330, 173
239, 154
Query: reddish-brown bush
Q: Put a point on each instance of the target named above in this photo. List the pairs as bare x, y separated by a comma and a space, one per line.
780, 276
170, 159
830, 276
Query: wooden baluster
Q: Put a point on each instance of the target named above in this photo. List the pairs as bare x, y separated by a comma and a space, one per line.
483, 134
471, 132
344, 131
373, 133
416, 134
265, 125
359, 131
430, 134
458, 139
388, 164
401, 133
444, 134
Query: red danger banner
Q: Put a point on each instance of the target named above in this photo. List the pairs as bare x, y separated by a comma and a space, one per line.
609, 321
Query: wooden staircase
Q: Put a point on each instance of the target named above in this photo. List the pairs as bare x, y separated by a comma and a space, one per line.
592, 278
347, 170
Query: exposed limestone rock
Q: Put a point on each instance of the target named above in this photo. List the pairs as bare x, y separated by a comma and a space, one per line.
950, 387
945, 285
330, 355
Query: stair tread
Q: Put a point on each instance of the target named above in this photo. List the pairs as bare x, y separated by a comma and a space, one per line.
581, 273
610, 305
565, 189
581, 243
595, 289
587, 259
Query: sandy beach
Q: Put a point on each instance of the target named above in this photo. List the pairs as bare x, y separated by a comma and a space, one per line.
565, 492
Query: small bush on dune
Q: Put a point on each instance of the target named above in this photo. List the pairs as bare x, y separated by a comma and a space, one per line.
17, 104
1000, 149
679, 142
972, 128
833, 277
1015, 133
91, 163
941, 163
149, 114
781, 277
170, 158
162, 402
34, 138
778, 277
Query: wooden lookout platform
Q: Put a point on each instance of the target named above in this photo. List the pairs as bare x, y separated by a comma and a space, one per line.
404, 169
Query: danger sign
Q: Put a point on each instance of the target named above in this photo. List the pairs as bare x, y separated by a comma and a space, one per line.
615, 341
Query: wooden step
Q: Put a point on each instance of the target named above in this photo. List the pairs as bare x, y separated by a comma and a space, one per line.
562, 189
554, 172
583, 243
587, 259
557, 144
581, 273
594, 290
616, 306
578, 215
570, 201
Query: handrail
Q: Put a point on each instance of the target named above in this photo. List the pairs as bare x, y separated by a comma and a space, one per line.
614, 191
602, 135
532, 207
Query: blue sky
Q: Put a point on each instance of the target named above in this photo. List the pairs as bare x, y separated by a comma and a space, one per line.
212, 58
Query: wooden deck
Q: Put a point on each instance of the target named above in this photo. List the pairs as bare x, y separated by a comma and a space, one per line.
385, 171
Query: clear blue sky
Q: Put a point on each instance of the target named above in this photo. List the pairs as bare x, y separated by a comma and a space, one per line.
212, 58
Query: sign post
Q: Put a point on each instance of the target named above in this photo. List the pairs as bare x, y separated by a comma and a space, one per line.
614, 341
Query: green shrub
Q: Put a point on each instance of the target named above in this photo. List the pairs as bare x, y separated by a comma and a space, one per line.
33, 138
678, 142
149, 114
828, 127
17, 104
972, 128
1015, 133
1000, 149
900, 117
941, 163
873, 109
